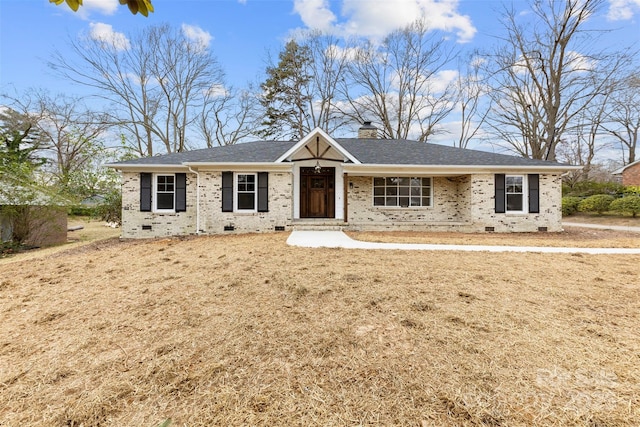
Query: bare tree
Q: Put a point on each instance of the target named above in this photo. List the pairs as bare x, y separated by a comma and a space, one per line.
624, 119
69, 132
546, 74
158, 81
585, 138
471, 89
230, 117
327, 69
399, 83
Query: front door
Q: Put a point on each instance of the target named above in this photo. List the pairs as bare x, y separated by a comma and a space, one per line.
317, 193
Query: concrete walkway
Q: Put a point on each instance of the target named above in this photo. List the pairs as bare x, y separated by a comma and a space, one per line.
338, 239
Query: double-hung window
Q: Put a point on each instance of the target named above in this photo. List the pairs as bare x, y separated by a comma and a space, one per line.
514, 193
402, 191
165, 192
246, 184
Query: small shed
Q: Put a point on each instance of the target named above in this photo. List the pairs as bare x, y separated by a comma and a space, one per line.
40, 217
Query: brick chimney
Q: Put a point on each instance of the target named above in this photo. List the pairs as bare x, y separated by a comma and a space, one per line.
367, 131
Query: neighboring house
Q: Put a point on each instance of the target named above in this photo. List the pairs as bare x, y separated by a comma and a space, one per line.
630, 173
359, 183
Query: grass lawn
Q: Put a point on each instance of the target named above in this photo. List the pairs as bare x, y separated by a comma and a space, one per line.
245, 330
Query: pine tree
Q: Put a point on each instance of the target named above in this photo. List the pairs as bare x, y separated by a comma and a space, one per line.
286, 97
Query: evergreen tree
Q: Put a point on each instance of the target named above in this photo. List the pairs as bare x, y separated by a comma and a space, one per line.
286, 97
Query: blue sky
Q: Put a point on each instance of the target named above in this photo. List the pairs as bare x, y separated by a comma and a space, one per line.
241, 32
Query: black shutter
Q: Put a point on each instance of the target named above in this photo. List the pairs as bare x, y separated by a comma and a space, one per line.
500, 193
181, 192
534, 193
263, 192
227, 191
145, 192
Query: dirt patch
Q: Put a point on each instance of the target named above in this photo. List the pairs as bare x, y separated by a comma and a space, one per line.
604, 219
571, 237
245, 330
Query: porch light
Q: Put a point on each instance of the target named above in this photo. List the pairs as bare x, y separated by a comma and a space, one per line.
317, 168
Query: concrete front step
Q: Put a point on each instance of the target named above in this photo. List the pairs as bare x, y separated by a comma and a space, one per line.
320, 225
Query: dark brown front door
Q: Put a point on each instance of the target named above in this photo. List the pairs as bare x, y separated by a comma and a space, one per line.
317, 193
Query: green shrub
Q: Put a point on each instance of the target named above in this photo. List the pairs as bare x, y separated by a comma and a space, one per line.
632, 190
570, 205
111, 209
591, 188
626, 204
80, 210
598, 203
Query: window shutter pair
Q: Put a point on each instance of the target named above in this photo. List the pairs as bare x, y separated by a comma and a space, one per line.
534, 193
146, 192
262, 193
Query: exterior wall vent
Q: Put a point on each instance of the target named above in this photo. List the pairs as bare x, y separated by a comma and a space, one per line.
490, 229
229, 228
146, 227
279, 227
542, 229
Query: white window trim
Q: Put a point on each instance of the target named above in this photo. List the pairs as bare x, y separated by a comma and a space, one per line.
403, 207
235, 193
525, 195
154, 194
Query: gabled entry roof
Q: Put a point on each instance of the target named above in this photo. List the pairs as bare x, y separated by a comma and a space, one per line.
317, 134
357, 152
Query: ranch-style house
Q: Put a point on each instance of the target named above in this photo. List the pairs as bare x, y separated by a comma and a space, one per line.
362, 183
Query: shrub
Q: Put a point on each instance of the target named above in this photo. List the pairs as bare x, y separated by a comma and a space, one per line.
111, 209
626, 204
591, 188
80, 210
632, 190
597, 203
570, 205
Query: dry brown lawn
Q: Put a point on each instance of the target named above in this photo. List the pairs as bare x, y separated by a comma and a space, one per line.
245, 330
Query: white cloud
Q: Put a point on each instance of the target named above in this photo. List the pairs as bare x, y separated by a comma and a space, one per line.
106, 34
578, 62
199, 37
315, 14
217, 91
442, 80
377, 19
106, 7
620, 10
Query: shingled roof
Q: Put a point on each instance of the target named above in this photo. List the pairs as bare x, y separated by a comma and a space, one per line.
367, 151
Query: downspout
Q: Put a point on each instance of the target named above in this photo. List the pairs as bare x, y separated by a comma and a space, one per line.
197, 199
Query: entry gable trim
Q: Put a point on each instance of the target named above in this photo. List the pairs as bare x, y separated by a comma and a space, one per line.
329, 140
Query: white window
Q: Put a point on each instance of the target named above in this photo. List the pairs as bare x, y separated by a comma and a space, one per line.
514, 193
165, 192
246, 184
402, 191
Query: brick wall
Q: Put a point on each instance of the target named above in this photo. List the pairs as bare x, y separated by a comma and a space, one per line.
450, 206
631, 175
463, 203
136, 224
213, 220
459, 204
483, 207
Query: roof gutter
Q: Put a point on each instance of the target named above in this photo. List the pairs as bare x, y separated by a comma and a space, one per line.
452, 169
